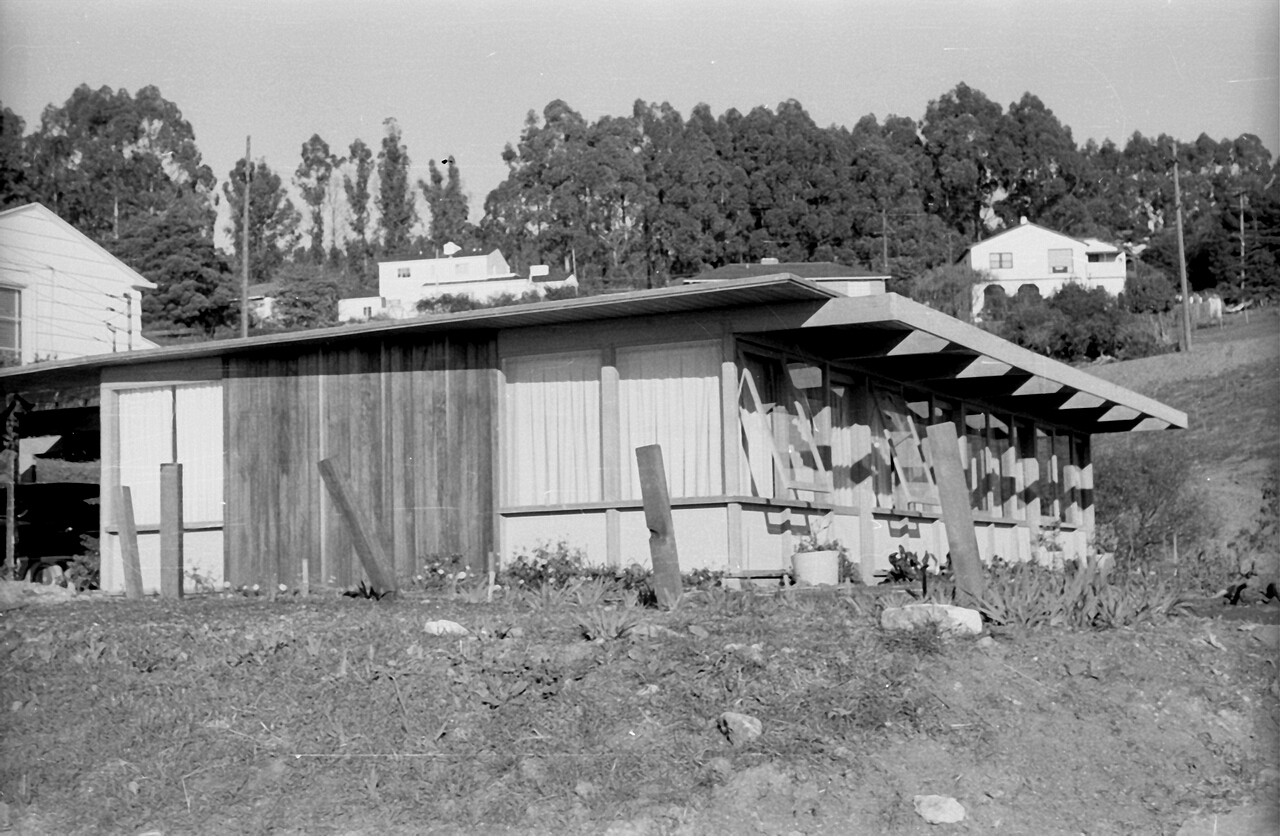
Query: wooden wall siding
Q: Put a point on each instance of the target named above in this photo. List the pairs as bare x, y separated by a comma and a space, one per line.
411, 426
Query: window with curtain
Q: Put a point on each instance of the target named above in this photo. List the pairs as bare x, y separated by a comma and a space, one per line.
163, 424
670, 395
552, 437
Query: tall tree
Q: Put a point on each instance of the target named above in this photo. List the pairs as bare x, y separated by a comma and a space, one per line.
396, 212
175, 249
13, 164
312, 179
448, 206
963, 138
105, 156
357, 191
1041, 169
273, 220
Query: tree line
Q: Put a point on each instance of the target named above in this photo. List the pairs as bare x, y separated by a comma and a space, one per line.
636, 200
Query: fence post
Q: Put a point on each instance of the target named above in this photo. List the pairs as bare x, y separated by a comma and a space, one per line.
966, 563
171, 554
363, 537
657, 516
129, 546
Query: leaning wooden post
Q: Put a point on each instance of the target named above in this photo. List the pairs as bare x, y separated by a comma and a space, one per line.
129, 546
171, 558
367, 545
657, 516
966, 563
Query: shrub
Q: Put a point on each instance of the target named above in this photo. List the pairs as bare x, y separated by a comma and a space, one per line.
948, 288
1030, 595
1144, 494
1147, 290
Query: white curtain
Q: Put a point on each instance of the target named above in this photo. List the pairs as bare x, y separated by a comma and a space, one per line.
843, 453
553, 429
198, 408
146, 441
670, 395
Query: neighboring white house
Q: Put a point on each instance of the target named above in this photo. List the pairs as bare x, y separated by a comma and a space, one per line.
62, 295
849, 281
402, 284
1029, 254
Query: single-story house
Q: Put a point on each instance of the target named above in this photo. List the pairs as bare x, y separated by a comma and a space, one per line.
782, 408
1030, 254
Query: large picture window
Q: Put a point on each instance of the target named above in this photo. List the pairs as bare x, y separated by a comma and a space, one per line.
670, 395
552, 433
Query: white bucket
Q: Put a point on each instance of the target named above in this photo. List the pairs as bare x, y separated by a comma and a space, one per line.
816, 568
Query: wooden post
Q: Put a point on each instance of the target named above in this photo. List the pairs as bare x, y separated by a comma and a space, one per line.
129, 546
9, 479
657, 516
367, 545
171, 558
966, 564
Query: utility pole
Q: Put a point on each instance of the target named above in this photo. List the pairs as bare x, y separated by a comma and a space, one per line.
884, 238
1242, 242
1182, 265
244, 279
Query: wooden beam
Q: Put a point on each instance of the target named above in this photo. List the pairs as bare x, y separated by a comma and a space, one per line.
919, 342
363, 538
1083, 400
129, 546
657, 516
1119, 413
966, 562
1147, 424
171, 557
984, 367
1038, 386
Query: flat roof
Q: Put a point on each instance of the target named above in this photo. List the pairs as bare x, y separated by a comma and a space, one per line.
885, 335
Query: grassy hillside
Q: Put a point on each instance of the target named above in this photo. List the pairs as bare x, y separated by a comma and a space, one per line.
1229, 386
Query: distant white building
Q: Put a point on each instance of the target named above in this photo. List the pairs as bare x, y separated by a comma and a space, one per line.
402, 284
1029, 254
62, 295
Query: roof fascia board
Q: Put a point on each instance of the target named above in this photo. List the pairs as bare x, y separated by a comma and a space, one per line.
890, 307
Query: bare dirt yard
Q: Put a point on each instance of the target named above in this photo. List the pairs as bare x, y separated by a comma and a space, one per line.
575, 710
242, 715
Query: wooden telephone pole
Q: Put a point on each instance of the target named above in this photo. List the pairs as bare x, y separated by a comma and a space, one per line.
244, 278
1182, 265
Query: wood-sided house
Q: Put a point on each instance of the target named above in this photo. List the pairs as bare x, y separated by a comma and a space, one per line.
782, 407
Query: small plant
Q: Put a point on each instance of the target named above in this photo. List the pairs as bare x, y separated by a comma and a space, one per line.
608, 623
818, 540
547, 564
83, 570
361, 591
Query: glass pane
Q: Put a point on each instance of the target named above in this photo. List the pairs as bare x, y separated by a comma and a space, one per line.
8, 303
9, 336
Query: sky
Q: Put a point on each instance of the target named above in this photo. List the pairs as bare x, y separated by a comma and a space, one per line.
459, 77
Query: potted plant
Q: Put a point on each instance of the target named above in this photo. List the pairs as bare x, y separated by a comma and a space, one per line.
816, 559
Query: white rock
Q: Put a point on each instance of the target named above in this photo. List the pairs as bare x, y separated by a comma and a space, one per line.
939, 809
950, 619
739, 728
445, 628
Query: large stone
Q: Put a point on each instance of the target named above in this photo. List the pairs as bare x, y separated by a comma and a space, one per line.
939, 809
949, 619
445, 628
739, 728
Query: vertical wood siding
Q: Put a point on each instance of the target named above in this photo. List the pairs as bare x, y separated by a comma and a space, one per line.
409, 423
